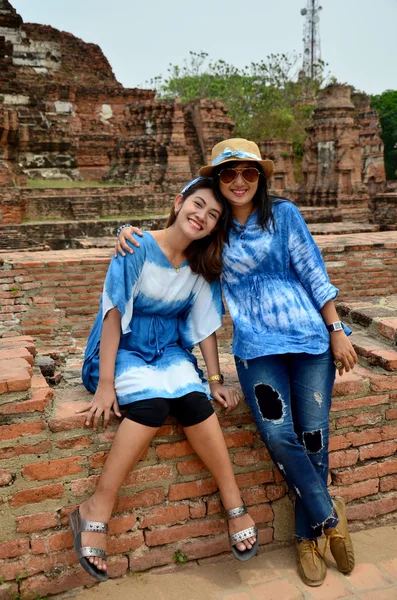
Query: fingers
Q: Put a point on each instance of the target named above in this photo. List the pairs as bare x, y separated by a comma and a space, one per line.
116, 409
106, 417
119, 249
131, 239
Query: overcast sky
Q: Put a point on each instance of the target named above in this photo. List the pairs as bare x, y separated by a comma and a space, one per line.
140, 39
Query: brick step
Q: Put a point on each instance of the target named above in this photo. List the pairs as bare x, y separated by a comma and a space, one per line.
374, 351
319, 214
377, 316
59, 234
342, 228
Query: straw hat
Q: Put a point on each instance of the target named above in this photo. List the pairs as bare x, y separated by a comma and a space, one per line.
237, 149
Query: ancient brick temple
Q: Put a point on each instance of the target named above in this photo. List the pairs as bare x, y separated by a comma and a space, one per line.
332, 162
63, 115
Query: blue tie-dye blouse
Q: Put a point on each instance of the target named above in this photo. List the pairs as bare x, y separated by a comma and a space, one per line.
163, 314
275, 284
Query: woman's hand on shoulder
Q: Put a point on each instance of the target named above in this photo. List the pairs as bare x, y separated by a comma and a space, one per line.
124, 236
227, 397
102, 403
343, 350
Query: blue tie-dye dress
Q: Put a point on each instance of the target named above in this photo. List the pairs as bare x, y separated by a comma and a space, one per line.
163, 314
275, 283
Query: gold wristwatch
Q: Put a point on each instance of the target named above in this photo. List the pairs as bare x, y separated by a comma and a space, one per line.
219, 377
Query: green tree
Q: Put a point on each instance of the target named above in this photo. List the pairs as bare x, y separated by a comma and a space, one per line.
386, 105
265, 99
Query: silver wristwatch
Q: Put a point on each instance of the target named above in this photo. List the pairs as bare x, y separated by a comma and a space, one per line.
337, 326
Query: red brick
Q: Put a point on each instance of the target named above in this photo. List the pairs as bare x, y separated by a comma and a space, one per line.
338, 442
14, 548
190, 466
360, 419
16, 380
85, 485
254, 496
391, 414
60, 540
378, 450
167, 515
72, 578
367, 436
343, 458
197, 510
387, 466
350, 383
125, 543
205, 547
177, 533
389, 432
213, 506
154, 557
251, 479
239, 438
175, 450
38, 494
36, 404
354, 475
246, 458
388, 483
36, 522
10, 432
265, 535
81, 441
146, 498
149, 474
5, 477
53, 469
358, 490
97, 459
262, 513
201, 487
12, 451
372, 510
121, 524
32, 564
275, 492
339, 405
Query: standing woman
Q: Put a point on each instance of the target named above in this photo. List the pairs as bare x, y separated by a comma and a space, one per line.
287, 341
155, 306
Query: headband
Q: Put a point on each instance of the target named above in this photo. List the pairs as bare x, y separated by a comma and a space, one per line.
189, 185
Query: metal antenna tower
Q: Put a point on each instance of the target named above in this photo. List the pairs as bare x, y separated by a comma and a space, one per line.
311, 38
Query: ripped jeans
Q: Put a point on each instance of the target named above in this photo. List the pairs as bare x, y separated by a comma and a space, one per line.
290, 399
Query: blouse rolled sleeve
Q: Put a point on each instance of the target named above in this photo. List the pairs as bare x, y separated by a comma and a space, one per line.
204, 315
120, 282
307, 261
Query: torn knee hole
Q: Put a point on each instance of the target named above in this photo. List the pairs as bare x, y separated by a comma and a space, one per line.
269, 402
313, 440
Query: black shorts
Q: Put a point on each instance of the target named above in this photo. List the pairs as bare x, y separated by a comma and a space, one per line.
189, 410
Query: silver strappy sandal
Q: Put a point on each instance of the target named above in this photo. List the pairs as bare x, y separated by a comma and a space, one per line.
78, 525
240, 536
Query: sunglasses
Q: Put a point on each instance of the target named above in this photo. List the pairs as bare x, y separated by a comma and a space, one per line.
249, 174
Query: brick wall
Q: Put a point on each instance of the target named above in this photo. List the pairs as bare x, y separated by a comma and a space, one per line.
50, 463
54, 295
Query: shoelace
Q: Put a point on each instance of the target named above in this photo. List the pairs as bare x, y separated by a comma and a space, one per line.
310, 547
335, 535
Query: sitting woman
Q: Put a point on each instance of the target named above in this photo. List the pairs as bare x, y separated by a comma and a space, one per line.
156, 305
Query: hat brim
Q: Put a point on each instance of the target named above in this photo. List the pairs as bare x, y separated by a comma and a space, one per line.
267, 166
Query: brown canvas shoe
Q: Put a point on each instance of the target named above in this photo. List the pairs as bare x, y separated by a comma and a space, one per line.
340, 541
311, 566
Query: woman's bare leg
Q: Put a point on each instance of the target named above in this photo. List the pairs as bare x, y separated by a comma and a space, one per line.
206, 438
129, 444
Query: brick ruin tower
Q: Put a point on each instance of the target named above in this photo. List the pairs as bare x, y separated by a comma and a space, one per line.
332, 162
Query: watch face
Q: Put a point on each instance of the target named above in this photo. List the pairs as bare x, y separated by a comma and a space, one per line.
338, 326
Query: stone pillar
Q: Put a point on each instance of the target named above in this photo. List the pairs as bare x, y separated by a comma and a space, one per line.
373, 166
332, 163
283, 182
